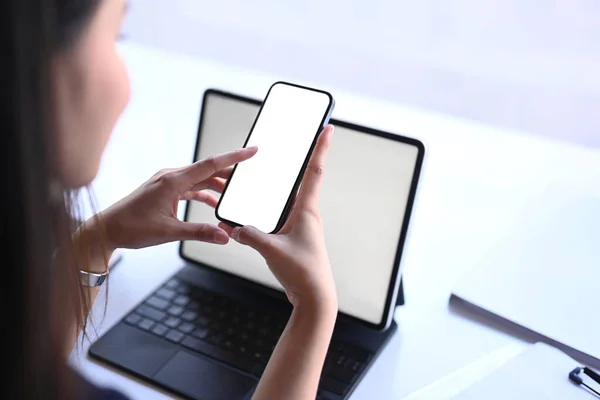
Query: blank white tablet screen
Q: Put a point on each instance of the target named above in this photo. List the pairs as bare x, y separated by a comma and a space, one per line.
363, 201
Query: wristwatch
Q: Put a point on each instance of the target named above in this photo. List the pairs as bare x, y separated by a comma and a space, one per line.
90, 279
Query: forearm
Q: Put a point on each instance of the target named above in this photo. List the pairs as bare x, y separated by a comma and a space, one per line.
295, 367
92, 253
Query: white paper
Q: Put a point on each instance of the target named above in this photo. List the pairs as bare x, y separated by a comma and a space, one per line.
541, 373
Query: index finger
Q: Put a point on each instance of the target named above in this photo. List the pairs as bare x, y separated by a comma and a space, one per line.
204, 169
308, 198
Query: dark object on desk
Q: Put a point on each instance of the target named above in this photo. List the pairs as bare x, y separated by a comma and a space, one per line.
216, 318
575, 377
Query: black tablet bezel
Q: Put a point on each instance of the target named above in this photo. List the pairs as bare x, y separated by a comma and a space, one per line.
395, 278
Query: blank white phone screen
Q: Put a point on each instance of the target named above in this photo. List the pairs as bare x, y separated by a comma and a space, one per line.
284, 132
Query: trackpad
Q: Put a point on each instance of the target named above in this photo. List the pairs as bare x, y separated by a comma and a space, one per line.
201, 379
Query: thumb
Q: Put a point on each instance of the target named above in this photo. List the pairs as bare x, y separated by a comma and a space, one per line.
250, 236
203, 232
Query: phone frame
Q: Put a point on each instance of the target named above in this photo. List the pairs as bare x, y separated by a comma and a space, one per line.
290, 201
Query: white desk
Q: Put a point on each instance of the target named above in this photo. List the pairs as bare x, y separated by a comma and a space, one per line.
476, 179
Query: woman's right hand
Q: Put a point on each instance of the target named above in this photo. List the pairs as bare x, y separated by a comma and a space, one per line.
296, 254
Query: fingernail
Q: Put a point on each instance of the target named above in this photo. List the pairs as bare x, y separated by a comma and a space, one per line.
220, 237
252, 147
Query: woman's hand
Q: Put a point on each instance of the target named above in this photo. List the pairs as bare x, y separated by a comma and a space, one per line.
298, 259
297, 255
148, 216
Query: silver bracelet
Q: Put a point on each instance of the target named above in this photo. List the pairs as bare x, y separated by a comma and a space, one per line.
90, 279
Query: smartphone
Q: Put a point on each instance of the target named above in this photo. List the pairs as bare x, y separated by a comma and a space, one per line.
260, 191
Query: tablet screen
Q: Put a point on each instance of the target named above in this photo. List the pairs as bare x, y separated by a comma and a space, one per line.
365, 193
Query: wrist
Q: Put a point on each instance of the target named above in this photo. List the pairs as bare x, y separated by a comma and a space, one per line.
324, 307
97, 228
92, 246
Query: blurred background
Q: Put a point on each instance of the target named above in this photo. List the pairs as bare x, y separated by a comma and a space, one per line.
532, 65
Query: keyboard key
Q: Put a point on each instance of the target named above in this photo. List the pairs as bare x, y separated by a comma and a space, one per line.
238, 309
340, 361
332, 356
172, 322
157, 302
150, 312
175, 310
321, 396
260, 356
200, 333
146, 324
340, 347
133, 319
172, 284
181, 300
228, 345
221, 315
183, 289
166, 294
175, 336
193, 305
231, 331
342, 374
202, 321
215, 339
189, 316
218, 354
160, 329
259, 344
263, 331
216, 326
208, 298
356, 366
358, 354
333, 386
186, 327
222, 303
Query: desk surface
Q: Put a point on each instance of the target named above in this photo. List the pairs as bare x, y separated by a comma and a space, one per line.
475, 182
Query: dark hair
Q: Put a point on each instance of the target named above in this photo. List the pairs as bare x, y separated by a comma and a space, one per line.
38, 297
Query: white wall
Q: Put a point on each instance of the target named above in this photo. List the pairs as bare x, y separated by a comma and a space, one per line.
527, 64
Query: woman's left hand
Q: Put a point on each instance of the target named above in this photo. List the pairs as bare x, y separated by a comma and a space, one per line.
148, 216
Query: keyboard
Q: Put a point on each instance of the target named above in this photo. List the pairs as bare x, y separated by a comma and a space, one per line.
232, 332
